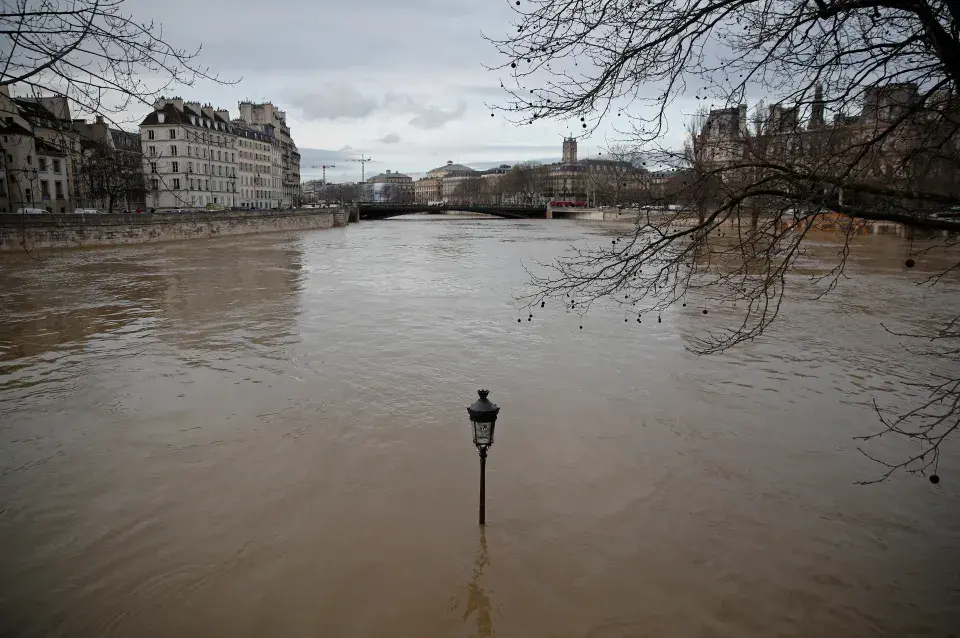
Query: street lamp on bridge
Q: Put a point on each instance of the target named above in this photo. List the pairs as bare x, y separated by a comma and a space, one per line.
483, 417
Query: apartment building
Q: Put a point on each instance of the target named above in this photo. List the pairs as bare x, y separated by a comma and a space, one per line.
36, 145
189, 155
257, 157
285, 163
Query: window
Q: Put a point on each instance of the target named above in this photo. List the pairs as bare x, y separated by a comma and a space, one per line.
192, 184
173, 149
176, 183
189, 167
30, 160
206, 184
155, 184
175, 166
45, 189
3, 188
153, 167
218, 156
220, 170
204, 153
153, 151
218, 139
204, 169
56, 166
189, 151
58, 189
150, 134
173, 134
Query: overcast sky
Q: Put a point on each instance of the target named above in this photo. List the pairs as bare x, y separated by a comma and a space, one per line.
402, 81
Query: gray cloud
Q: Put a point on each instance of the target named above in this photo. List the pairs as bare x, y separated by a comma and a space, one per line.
327, 35
344, 102
390, 138
334, 102
431, 117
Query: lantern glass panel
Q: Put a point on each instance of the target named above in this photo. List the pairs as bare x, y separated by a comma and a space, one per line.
482, 433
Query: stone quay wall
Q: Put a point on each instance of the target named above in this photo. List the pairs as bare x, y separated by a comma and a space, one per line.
78, 231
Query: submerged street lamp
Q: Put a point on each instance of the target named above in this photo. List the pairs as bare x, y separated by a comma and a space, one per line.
483, 417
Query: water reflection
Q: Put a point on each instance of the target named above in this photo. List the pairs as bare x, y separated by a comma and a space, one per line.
478, 604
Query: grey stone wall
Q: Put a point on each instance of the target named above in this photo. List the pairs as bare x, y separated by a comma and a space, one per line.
76, 231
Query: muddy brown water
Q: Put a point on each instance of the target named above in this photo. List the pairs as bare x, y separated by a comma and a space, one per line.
266, 436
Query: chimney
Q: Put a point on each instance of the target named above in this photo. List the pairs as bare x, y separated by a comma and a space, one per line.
159, 103
177, 103
99, 119
208, 111
224, 113
195, 106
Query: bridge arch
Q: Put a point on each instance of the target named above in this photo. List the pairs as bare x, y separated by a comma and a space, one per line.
371, 211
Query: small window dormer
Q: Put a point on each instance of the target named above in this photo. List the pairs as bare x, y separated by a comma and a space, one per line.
160, 117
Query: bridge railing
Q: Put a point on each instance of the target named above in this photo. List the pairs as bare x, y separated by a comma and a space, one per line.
450, 206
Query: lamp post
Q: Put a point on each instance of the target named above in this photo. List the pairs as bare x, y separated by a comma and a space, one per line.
483, 417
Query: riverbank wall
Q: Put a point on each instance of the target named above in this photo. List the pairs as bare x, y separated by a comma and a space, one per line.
827, 223
40, 232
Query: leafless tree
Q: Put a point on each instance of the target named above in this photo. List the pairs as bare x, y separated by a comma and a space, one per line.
862, 126
108, 175
469, 191
91, 52
526, 182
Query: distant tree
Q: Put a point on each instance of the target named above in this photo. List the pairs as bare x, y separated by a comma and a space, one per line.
470, 191
526, 182
619, 177
863, 122
109, 175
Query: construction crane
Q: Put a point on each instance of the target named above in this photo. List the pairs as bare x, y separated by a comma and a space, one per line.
363, 166
325, 167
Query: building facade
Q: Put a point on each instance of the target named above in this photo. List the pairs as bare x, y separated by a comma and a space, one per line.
37, 144
390, 187
196, 156
256, 170
439, 184
285, 177
189, 156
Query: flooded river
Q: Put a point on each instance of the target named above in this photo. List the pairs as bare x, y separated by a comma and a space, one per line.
266, 436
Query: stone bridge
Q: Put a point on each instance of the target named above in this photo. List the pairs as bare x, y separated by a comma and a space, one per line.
383, 211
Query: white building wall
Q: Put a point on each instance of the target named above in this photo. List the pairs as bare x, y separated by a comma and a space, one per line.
189, 165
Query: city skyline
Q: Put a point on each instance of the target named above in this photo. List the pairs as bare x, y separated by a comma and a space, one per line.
412, 110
